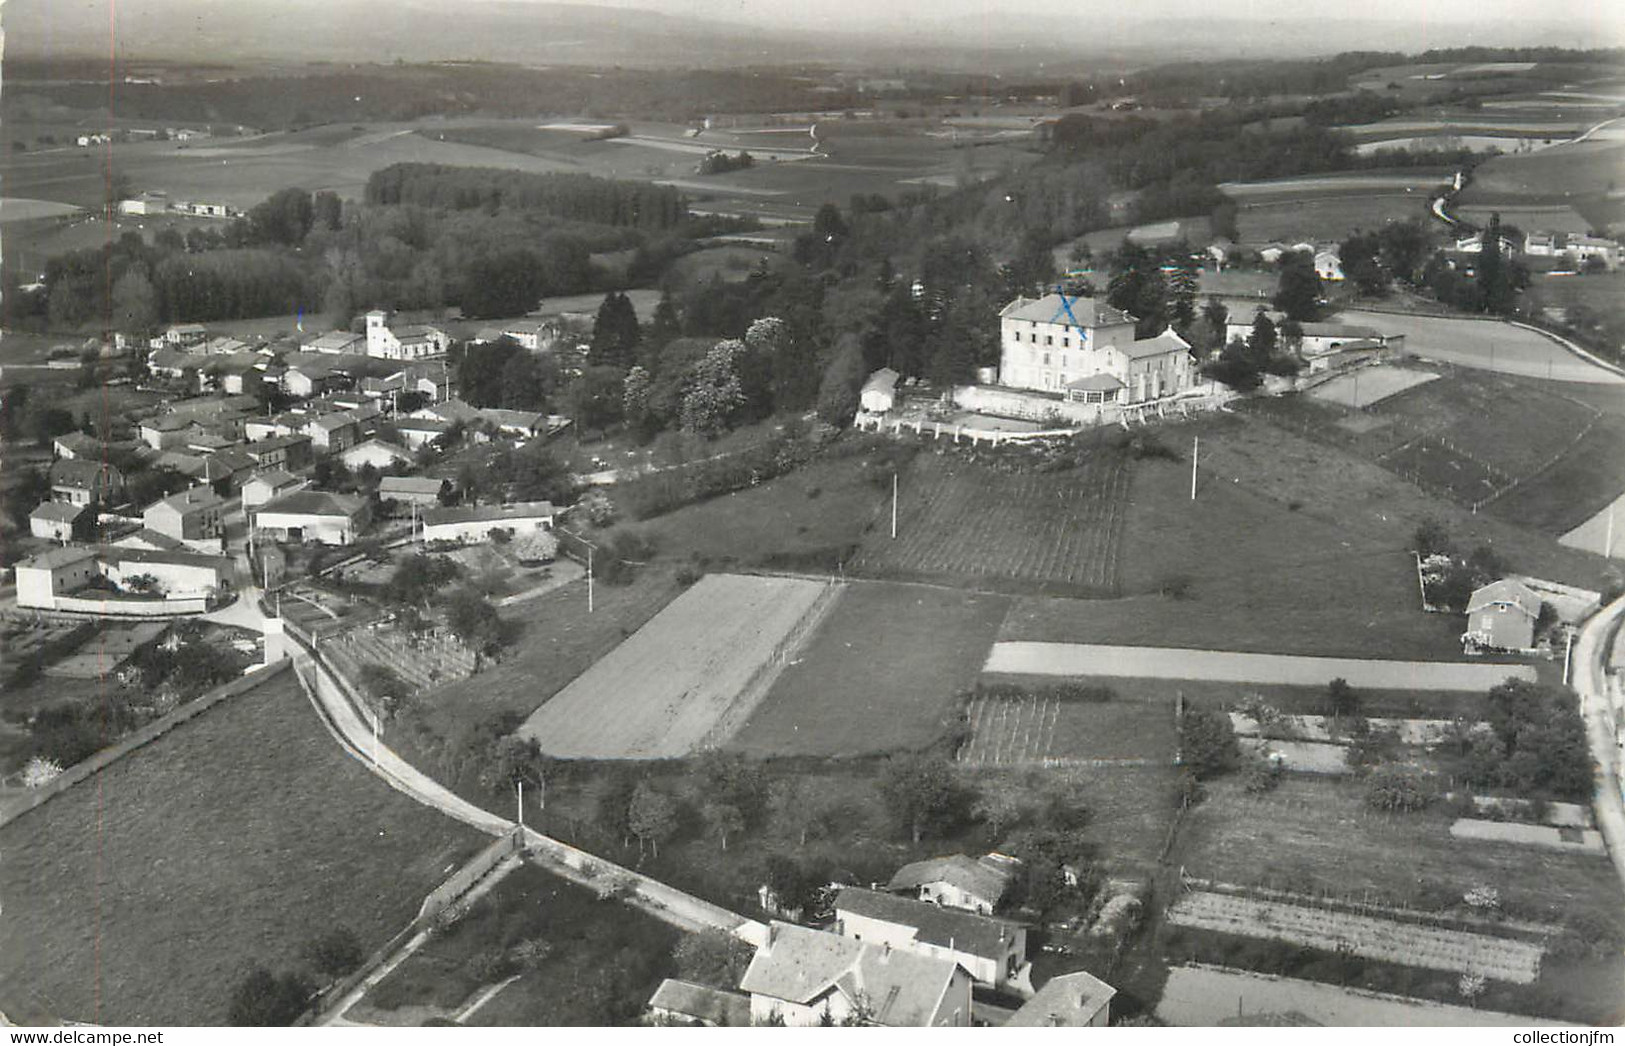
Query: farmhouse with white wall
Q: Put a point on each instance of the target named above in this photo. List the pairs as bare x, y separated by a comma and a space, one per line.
1085, 350
993, 951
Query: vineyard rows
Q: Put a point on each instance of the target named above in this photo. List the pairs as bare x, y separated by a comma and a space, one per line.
968, 522
1009, 732
1457, 951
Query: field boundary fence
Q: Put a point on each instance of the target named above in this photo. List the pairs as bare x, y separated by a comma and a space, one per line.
767, 671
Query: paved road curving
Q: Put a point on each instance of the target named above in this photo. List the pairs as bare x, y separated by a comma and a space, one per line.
1149, 662
1600, 707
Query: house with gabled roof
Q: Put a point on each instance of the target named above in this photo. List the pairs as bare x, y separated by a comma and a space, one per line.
312, 515
1068, 1000
290, 450
78, 445
80, 481
993, 951
192, 516
409, 342
270, 483
475, 522
376, 453
975, 884
412, 490
58, 520
805, 978
1502, 615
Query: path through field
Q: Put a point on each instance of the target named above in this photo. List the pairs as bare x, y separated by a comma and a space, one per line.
663, 691
1146, 662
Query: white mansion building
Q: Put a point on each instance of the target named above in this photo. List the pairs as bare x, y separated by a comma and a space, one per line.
1085, 351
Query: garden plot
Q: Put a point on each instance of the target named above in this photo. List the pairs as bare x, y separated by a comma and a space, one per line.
667, 689
1305, 757
1363, 387
1039, 729
1580, 840
1057, 532
101, 654
1318, 728
1386, 940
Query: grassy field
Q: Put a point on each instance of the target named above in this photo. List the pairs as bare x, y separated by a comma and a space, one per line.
1579, 486
880, 674
1322, 217
1318, 836
1312, 541
963, 523
604, 960
810, 519
142, 895
559, 640
673, 685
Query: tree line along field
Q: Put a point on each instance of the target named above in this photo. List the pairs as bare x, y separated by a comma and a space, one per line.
143, 894
962, 523
1317, 837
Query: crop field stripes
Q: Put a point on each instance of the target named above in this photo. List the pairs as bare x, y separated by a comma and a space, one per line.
1408, 944
1011, 732
976, 524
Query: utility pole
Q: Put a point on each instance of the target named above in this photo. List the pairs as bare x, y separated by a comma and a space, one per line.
589, 577
1568, 659
1196, 448
521, 786
1608, 543
894, 506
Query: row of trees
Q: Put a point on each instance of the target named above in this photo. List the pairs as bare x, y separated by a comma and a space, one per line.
570, 197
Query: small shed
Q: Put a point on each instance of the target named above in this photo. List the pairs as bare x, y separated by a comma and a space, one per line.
880, 391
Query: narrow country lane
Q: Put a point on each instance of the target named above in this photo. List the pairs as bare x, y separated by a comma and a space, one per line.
1591, 681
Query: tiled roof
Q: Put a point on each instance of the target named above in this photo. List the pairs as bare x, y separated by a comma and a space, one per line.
977, 877
724, 1009
981, 935
1505, 591
1069, 1000
488, 513
799, 965
58, 511
65, 556
1161, 345
409, 485
1089, 312
314, 503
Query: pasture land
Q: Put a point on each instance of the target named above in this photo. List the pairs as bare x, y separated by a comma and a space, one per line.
881, 673
1042, 729
1325, 216
676, 683
1409, 944
1573, 169
1280, 521
963, 523
1560, 217
142, 895
1573, 493
1370, 385
622, 951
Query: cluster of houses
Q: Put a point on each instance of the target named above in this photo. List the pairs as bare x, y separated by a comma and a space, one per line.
925, 950
157, 202
251, 474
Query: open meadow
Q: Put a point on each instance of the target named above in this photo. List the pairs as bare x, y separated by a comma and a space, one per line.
684, 679
142, 895
881, 673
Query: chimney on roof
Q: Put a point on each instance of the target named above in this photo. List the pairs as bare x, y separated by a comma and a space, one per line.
772, 935
1054, 1020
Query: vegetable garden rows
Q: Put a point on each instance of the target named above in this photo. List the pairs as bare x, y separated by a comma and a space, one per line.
1371, 938
1010, 732
967, 522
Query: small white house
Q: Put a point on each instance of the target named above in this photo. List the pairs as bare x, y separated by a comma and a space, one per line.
879, 391
56, 520
1329, 265
41, 578
1070, 1000
268, 484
